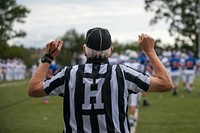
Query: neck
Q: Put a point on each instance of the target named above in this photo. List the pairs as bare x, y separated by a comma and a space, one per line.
97, 61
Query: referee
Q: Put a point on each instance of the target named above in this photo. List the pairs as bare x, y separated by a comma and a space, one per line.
96, 93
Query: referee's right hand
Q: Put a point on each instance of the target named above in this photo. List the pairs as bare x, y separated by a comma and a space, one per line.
54, 47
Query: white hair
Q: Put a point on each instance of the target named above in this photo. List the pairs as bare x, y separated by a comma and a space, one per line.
91, 53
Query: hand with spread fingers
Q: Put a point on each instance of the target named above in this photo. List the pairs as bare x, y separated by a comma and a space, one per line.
146, 42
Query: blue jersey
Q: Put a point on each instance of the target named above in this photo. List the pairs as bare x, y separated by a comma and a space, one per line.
190, 63
174, 64
53, 67
143, 61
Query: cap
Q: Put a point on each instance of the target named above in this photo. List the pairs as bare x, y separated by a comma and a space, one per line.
98, 39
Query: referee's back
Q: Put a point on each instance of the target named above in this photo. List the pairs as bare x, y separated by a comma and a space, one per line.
95, 95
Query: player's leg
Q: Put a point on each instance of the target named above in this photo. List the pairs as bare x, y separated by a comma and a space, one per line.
144, 98
191, 78
133, 106
184, 82
46, 100
175, 79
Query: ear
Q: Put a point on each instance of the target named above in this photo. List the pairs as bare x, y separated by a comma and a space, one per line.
84, 50
111, 49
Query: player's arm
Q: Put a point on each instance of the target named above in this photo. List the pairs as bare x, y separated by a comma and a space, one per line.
161, 81
35, 88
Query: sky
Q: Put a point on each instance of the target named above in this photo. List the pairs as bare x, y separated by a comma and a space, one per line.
51, 19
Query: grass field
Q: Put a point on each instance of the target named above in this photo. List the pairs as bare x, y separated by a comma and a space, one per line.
166, 114
171, 114
22, 114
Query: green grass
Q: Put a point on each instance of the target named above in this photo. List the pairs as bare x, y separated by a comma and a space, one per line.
171, 114
166, 114
22, 114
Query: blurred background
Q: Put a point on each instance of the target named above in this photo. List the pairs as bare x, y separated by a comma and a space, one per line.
26, 26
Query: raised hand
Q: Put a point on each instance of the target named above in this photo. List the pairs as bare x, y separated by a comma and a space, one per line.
146, 42
53, 48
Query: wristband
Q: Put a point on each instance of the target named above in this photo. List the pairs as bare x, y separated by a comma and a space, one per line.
47, 58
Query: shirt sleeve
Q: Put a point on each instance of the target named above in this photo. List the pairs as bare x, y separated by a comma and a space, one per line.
135, 81
55, 86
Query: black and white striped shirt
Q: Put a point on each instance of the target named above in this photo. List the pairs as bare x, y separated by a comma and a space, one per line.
96, 95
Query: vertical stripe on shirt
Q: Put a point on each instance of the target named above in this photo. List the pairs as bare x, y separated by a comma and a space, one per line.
79, 97
121, 105
72, 85
114, 99
66, 103
106, 97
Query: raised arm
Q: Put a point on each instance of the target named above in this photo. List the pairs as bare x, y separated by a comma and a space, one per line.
35, 88
162, 81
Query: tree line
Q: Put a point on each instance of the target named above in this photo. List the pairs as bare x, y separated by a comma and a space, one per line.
181, 15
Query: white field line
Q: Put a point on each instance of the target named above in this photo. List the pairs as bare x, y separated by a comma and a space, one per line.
12, 84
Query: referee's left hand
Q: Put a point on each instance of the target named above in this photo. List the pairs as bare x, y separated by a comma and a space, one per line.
146, 42
54, 47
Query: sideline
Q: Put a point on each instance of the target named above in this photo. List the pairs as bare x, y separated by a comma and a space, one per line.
15, 103
8, 84
14, 84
